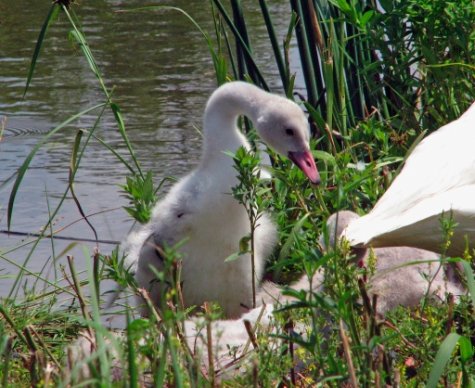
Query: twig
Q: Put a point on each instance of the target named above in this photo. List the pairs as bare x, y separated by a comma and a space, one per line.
261, 313
77, 287
145, 295
27, 234
43, 345
450, 315
209, 336
290, 328
251, 334
349, 360
404, 339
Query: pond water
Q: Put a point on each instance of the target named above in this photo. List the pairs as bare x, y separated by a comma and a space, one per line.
162, 74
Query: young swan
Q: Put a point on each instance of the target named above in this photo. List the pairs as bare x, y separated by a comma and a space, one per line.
201, 211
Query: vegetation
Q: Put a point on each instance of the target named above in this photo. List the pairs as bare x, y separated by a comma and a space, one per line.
377, 79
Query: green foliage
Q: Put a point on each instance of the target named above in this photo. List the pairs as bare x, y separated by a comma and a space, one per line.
427, 51
375, 82
251, 193
140, 192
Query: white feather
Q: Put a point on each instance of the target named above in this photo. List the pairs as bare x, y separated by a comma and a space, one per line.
438, 178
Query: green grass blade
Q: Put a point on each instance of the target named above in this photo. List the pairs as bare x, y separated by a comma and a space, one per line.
81, 40
104, 365
159, 377
220, 32
470, 279
313, 41
307, 66
209, 42
284, 73
52, 14
442, 358
287, 246
243, 64
113, 151
24, 167
242, 43
23, 268
131, 356
120, 122
74, 164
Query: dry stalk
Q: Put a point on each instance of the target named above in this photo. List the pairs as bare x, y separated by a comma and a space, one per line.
75, 285
146, 297
263, 308
251, 334
290, 328
347, 351
404, 339
450, 315
43, 345
209, 336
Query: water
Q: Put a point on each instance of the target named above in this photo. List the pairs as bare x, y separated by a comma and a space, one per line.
162, 74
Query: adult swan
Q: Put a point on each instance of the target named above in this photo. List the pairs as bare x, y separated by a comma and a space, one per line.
200, 210
438, 179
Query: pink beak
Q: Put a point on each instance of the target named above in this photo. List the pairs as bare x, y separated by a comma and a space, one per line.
304, 161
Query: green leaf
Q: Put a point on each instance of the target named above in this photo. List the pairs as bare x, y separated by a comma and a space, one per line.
466, 349
136, 327
470, 279
442, 358
387, 5
284, 252
24, 167
367, 16
325, 156
233, 257
132, 354
52, 14
244, 244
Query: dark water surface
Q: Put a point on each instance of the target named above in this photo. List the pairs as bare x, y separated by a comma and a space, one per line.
162, 74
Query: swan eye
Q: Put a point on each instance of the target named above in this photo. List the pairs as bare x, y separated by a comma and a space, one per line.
289, 132
179, 215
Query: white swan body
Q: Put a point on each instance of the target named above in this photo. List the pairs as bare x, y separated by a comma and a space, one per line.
438, 178
201, 210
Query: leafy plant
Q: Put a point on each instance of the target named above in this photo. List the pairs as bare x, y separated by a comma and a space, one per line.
141, 195
250, 192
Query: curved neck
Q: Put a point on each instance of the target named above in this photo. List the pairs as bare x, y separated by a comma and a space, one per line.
224, 107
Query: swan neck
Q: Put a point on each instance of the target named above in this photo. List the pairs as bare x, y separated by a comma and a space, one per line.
225, 105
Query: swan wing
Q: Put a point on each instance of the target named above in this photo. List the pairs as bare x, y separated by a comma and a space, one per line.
439, 176
420, 226
442, 161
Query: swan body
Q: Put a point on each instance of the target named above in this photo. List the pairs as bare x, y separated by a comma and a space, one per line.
438, 179
201, 212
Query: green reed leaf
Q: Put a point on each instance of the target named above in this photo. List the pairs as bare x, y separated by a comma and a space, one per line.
52, 15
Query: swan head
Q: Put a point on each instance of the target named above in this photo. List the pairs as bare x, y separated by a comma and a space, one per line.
284, 127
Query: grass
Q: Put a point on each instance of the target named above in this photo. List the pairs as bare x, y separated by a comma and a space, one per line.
376, 82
